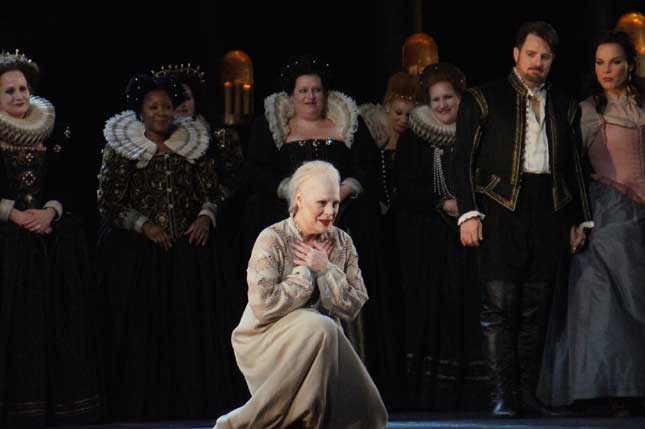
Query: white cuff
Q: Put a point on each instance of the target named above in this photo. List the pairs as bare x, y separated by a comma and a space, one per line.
469, 215
138, 224
209, 213
588, 225
283, 188
5, 209
356, 186
133, 220
57, 206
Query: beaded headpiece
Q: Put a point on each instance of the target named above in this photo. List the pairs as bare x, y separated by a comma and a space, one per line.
17, 61
141, 85
304, 65
441, 72
181, 72
401, 85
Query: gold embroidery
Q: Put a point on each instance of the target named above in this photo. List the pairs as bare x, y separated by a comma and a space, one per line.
520, 124
481, 100
483, 107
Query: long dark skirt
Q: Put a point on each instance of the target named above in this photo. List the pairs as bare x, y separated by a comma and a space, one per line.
376, 243
169, 319
595, 346
49, 372
444, 370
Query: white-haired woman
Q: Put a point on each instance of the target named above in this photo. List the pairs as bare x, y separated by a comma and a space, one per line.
303, 277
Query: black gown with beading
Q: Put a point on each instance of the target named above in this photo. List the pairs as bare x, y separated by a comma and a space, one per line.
49, 360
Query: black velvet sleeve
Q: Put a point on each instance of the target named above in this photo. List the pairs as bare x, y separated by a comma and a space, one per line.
465, 153
363, 154
57, 174
582, 168
262, 161
416, 173
227, 152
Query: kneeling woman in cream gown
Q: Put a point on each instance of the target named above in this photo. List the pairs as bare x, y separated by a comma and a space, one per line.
303, 277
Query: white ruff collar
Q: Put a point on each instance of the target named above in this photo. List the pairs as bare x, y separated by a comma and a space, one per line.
377, 123
341, 110
31, 130
424, 124
125, 134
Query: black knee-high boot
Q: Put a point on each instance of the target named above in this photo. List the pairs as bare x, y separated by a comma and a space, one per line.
498, 322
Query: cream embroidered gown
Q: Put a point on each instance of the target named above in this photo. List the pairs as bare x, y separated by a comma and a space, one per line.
300, 368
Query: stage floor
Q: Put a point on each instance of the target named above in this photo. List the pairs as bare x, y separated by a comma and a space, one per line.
429, 421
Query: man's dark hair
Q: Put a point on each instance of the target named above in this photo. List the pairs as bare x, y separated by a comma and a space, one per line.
543, 30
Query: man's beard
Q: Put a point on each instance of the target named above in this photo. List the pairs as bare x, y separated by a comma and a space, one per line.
539, 78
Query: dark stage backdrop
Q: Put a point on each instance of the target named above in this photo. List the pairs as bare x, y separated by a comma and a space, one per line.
88, 51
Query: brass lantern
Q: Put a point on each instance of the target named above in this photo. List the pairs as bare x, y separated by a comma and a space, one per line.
237, 86
633, 23
419, 51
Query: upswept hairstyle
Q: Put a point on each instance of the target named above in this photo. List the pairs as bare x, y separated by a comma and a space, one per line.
304, 65
306, 172
441, 72
635, 84
17, 61
139, 86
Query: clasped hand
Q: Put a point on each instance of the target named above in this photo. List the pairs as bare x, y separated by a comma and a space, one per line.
37, 221
577, 238
197, 233
314, 256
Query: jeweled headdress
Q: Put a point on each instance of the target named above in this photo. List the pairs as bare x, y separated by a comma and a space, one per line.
305, 65
181, 72
401, 85
17, 61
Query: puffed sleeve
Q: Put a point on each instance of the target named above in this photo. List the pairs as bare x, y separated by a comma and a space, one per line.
6, 200
114, 183
56, 189
229, 160
342, 290
590, 123
207, 187
270, 295
363, 160
263, 158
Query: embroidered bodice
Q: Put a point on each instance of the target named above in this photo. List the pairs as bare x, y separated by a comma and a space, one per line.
25, 169
138, 184
615, 142
25, 159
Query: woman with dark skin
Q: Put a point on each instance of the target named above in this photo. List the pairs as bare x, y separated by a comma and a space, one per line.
169, 353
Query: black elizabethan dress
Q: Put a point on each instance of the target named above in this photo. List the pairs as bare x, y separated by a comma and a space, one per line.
441, 298
49, 372
168, 313
384, 316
